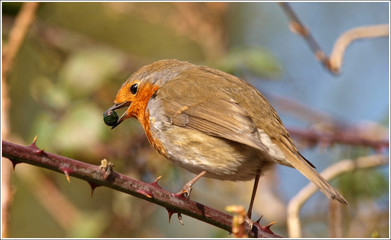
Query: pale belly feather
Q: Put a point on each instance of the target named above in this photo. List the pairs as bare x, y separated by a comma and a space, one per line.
195, 151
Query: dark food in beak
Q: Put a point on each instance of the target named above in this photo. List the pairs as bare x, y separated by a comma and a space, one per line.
110, 117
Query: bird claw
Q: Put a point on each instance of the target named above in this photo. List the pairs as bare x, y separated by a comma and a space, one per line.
249, 221
184, 193
186, 190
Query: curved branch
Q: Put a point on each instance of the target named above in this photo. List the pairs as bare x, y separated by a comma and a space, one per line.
95, 176
336, 56
331, 172
334, 62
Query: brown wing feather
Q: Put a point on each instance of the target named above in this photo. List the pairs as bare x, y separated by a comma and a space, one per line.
307, 170
220, 118
217, 115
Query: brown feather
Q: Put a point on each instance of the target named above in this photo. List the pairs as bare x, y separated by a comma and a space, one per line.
218, 116
308, 171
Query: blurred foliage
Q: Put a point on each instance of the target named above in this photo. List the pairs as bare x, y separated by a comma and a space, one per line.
11, 8
73, 60
254, 60
362, 184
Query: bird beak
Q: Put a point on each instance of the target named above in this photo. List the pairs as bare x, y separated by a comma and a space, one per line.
118, 106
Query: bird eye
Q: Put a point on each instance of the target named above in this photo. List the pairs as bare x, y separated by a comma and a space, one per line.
133, 88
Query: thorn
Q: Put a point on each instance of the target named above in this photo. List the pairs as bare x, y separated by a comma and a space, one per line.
259, 220
35, 139
155, 183
180, 219
67, 175
14, 162
93, 186
270, 224
267, 227
169, 214
144, 193
66, 171
33, 144
40, 151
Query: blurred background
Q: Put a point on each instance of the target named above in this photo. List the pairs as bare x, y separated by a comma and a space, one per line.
76, 56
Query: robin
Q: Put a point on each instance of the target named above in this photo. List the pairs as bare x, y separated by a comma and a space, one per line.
211, 123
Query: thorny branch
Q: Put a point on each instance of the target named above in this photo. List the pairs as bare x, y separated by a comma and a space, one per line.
347, 137
326, 130
334, 62
331, 172
152, 192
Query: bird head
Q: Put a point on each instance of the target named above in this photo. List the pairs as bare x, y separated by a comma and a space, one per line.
140, 87
133, 94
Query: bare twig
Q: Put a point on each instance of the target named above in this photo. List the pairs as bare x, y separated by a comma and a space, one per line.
18, 31
335, 219
6, 199
347, 137
95, 176
297, 27
51, 198
326, 130
331, 172
6, 191
300, 110
334, 62
17, 34
336, 56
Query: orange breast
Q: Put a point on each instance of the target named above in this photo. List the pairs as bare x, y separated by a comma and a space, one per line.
139, 109
153, 141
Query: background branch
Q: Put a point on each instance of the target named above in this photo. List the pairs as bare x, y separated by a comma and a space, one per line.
326, 130
336, 56
50, 197
151, 192
342, 137
17, 34
331, 172
10, 50
297, 27
334, 62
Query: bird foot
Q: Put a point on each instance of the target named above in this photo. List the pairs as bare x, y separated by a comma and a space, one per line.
186, 189
184, 192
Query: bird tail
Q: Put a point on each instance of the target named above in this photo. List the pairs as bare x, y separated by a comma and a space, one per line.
301, 164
